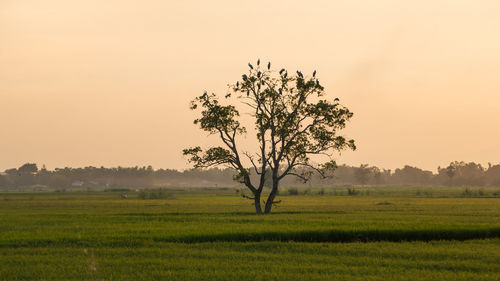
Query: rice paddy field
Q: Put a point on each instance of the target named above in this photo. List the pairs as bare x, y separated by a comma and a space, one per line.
213, 234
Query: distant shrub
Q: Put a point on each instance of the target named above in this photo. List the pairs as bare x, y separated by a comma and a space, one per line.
473, 193
142, 194
307, 191
426, 193
117, 190
153, 194
321, 192
352, 191
293, 191
467, 192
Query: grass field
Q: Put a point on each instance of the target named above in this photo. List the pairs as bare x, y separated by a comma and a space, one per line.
208, 234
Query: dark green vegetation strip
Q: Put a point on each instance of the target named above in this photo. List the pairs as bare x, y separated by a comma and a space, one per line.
396, 235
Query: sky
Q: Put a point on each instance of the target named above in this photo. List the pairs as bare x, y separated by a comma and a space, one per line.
105, 82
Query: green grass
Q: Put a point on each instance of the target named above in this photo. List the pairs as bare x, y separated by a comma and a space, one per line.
444, 260
214, 235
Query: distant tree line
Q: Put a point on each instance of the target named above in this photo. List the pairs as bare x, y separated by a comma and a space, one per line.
455, 174
30, 176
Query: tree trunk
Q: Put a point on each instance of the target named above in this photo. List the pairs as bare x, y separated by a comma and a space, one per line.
270, 198
258, 208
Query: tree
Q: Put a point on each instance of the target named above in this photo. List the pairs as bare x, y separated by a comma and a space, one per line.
412, 175
28, 168
26, 174
492, 175
466, 173
362, 174
292, 123
12, 171
379, 176
5, 181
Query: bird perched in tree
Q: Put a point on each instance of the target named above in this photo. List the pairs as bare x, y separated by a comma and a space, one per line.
314, 73
250, 65
280, 91
317, 82
258, 61
248, 93
285, 75
244, 77
282, 70
237, 84
336, 99
300, 74
258, 86
268, 65
258, 74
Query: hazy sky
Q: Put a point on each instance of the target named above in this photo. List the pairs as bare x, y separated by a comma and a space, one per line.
96, 82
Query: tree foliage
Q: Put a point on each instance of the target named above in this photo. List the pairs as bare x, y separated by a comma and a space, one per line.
28, 168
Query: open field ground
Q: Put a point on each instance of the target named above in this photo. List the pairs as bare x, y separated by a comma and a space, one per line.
213, 235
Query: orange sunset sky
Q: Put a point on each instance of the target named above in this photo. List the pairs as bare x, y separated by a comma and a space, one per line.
88, 82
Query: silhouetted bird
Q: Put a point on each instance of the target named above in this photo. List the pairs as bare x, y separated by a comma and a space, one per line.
336, 99
314, 73
286, 74
280, 90
300, 74
237, 84
258, 86
248, 93
244, 77
258, 61
317, 82
268, 65
282, 70
250, 65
